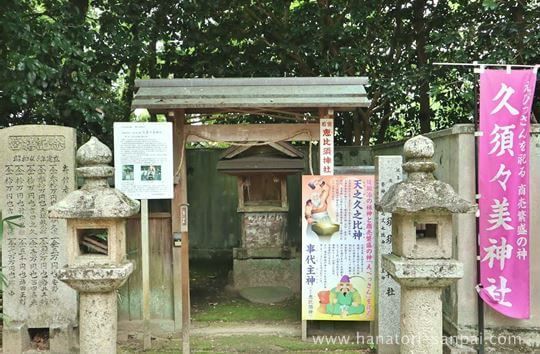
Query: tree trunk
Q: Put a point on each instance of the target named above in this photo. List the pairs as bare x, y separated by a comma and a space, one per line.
130, 87
421, 56
384, 123
127, 96
152, 66
365, 125
517, 16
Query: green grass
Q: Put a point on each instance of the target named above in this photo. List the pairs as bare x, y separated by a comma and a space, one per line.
210, 302
238, 310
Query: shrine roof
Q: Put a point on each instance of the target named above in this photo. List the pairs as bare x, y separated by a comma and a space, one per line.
279, 157
223, 95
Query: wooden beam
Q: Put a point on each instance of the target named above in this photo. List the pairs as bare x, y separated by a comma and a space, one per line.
252, 132
278, 115
285, 113
286, 149
247, 110
158, 215
250, 102
326, 113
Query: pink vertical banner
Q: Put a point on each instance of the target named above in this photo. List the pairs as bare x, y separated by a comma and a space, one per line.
503, 178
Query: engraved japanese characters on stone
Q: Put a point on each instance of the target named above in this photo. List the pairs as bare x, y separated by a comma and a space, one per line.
37, 142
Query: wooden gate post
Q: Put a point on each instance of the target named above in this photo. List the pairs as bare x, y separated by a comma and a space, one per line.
182, 311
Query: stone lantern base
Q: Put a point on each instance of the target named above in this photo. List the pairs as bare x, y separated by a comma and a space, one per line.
422, 282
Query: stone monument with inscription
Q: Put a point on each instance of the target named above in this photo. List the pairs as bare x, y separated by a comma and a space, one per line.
38, 169
388, 172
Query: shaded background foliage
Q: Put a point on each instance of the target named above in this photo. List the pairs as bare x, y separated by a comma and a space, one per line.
74, 62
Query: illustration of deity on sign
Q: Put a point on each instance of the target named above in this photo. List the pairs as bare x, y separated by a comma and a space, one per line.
343, 300
319, 223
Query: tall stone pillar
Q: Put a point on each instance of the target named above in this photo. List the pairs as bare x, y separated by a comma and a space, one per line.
98, 320
97, 266
388, 171
421, 259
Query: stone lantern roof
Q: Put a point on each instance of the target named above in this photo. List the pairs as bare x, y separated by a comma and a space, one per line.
95, 199
421, 192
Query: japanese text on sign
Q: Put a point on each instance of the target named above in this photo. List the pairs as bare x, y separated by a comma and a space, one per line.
338, 248
326, 147
505, 105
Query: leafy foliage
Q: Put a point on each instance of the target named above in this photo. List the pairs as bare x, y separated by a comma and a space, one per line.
50, 69
74, 62
9, 221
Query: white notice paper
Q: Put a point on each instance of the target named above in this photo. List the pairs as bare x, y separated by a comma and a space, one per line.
143, 160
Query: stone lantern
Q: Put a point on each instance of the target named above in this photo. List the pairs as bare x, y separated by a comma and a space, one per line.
97, 266
421, 259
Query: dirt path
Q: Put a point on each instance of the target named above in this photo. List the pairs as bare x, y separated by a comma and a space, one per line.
292, 329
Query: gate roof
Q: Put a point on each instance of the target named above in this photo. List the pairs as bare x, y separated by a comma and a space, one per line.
221, 95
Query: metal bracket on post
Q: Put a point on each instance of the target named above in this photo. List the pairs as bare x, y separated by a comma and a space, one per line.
177, 239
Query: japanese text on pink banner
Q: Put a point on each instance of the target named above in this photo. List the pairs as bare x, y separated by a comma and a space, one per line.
505, 106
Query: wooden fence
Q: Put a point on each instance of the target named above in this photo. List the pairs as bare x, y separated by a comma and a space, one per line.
161, 280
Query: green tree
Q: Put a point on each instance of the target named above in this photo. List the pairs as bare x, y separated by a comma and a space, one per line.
74, 62
50, 72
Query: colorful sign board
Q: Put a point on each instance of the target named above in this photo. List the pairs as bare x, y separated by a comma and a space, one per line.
143, 160
338, 257
505, 107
